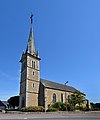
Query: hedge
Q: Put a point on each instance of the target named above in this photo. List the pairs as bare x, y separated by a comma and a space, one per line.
33, 109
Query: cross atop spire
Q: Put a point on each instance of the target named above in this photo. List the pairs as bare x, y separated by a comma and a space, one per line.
31, 18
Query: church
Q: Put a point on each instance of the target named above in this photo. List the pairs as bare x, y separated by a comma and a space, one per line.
35, 91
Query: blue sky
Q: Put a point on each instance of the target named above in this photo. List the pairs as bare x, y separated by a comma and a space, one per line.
67, 33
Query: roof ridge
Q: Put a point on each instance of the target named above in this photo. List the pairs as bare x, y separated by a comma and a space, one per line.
55, 82
58, 83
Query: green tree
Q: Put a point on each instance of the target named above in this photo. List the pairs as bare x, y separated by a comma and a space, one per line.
95, 106
76, 98
92, 106
14, 101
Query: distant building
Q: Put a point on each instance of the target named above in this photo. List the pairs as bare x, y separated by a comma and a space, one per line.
35, 91
3, 105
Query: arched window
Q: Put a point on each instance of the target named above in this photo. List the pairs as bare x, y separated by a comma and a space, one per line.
61, 97
54, 97
33, 64
69, 97
33, 85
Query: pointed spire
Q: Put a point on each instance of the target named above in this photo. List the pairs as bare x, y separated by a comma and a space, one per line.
31, 44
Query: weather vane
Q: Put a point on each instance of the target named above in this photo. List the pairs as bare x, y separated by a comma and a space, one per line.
31, 18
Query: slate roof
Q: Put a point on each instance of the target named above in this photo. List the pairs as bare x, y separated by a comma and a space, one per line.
57, 86
5, 103
1, 103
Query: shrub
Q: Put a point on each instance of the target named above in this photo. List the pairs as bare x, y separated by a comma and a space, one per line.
70, 107
52, 109
58, 106
79, 107
33, 109
82, 108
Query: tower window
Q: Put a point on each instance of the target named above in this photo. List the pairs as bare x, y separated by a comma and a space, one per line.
33, 73
33, 85
33, 64
54, 97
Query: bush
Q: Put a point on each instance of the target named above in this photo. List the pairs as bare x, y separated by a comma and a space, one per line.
79, 107
52, 109
58, 106
70, 107
33, 109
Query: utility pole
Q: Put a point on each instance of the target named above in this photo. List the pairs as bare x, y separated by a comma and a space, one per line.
66, 95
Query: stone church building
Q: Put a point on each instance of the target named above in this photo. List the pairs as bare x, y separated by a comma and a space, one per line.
35, 91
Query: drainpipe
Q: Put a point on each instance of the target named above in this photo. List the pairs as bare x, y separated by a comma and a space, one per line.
45, 98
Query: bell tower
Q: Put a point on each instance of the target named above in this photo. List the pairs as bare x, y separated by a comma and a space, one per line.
30, 73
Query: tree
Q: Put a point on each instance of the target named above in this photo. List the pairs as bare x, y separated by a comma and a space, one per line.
76, 98
95, 106
14, 101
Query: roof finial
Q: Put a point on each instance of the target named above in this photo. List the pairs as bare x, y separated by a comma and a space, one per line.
31, 17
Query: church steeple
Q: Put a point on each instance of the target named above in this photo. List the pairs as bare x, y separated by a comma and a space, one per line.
30, 73
31, 45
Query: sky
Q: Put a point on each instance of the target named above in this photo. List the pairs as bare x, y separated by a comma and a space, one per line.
67, 34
